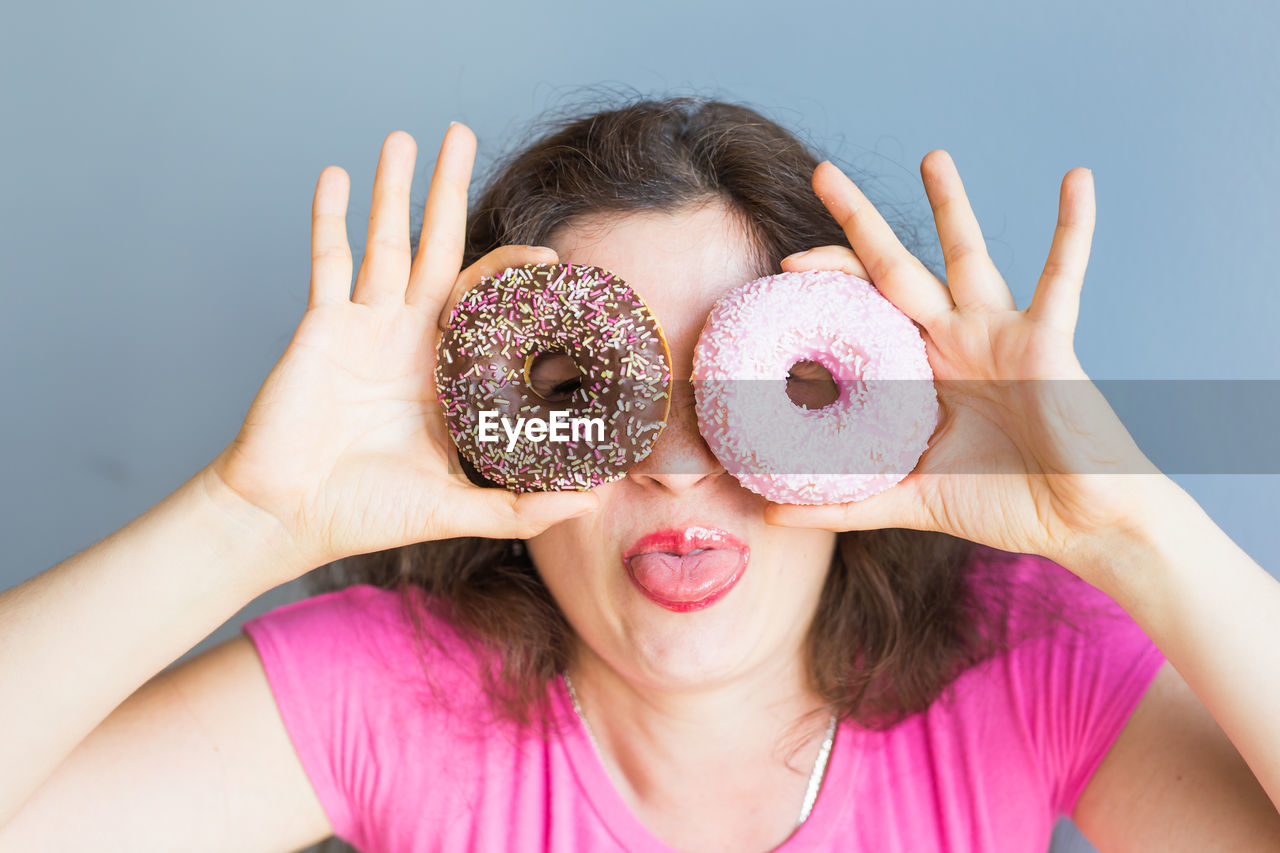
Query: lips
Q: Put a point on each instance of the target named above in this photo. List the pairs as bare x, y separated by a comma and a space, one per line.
686, 569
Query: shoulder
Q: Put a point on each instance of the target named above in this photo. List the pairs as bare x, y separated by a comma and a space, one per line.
360, 611
1059, 629
373, 687
1039, 603
362, 638
1011, 742
1076, 667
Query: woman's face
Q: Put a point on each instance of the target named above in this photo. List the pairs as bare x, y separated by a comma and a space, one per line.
680, 263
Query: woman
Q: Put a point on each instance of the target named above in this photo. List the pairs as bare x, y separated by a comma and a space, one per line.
872, 682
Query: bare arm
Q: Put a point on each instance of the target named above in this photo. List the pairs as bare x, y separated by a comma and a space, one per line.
81, 637
1030, 458
1173, 781
343, 451
197, 759
1197, 767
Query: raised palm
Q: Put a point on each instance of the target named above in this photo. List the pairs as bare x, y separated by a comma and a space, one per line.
345, 444
1028, 455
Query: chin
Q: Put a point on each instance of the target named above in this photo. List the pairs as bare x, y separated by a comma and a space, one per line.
676, 651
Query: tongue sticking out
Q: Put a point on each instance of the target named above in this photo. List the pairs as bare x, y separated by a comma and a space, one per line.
690, 577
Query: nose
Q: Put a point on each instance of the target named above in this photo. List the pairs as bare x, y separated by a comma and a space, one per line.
680, 460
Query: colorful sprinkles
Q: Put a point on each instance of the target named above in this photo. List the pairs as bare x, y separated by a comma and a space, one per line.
867, 440
584, 311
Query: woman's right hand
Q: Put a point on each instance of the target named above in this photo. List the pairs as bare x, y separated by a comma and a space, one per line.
345, 444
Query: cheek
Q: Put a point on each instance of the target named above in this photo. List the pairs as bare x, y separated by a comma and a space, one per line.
578, 546
553, 550
802, 558
568, 556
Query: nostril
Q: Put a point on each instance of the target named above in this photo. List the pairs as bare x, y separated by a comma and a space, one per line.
680, 458
676, 483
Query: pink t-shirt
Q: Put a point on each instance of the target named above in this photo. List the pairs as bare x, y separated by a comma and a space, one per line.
987, 767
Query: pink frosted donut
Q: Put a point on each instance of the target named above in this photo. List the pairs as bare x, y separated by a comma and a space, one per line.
866, 440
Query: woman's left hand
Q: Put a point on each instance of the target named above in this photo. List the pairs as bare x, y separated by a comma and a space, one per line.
1028, 456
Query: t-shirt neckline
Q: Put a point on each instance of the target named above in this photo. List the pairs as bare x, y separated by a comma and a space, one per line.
597, 787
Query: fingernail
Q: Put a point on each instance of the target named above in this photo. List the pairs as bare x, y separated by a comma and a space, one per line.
797, 255
452, 123
540, 248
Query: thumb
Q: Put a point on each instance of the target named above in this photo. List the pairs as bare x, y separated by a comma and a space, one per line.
499, 514
546, 508
897, 506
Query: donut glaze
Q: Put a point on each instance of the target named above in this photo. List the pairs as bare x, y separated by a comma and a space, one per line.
865, 441
483, 361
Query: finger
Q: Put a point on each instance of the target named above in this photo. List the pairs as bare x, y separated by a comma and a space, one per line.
384, 270
898, 506
826, 258
973, 279
497, 513
895, 272
1057, 297
490, 265
330, 252
442, 241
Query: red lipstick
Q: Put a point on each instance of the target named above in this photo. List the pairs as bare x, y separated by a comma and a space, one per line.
688, 568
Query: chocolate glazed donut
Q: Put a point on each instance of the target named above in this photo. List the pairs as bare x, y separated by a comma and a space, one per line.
568, 346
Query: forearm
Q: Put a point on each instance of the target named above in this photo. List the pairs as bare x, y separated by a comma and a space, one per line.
78, 639
1212, 611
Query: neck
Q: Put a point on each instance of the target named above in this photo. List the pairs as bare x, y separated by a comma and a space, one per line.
671, 748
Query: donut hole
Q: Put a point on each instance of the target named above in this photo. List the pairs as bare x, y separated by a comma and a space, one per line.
811, 386
553, 376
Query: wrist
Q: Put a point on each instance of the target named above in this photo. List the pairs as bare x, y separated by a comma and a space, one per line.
1121, 561
272, 554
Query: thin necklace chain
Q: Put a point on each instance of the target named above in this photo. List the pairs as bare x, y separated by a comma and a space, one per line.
815, 778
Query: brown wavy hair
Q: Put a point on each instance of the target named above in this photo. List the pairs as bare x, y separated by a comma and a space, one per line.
902, 613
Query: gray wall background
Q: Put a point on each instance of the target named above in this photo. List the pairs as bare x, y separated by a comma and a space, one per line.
159, 161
